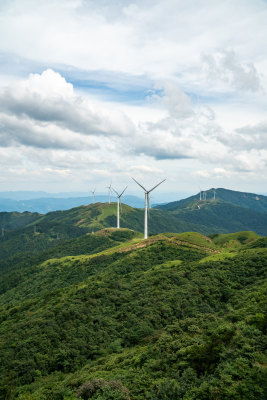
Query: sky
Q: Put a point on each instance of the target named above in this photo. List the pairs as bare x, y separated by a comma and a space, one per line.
99, 91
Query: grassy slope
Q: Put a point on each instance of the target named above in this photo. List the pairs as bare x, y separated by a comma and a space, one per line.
209, 218
217, 217
248, 200
173, 316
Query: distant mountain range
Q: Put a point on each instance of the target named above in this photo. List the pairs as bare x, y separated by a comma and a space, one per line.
229, 212
44, 202
44, 205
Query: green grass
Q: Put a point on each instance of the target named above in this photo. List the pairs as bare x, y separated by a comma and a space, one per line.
234, 240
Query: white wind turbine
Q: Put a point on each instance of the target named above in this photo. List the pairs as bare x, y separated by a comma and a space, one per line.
109, 191
118, 205
147, 204
93, 195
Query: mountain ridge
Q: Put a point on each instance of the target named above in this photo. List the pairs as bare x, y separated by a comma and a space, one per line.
253, 201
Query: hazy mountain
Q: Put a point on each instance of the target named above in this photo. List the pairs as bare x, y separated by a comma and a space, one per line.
45, 204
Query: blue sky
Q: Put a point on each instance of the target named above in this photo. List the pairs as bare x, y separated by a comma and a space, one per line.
93, 91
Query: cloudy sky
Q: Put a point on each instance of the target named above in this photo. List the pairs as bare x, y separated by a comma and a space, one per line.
97, 90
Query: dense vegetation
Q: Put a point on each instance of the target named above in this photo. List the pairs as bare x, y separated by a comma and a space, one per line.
109, 316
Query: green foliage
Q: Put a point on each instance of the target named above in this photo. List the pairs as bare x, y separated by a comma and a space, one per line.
101, 390
235, 240
173, 317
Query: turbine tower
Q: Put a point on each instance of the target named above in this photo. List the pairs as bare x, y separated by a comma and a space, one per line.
93, 195
147, 204
109, 190
118, 205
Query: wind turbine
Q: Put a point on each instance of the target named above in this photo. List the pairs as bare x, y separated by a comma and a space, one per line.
93, 195
118, 205
147, 204
109, 190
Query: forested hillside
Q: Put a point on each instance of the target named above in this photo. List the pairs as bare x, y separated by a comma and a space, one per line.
110, 316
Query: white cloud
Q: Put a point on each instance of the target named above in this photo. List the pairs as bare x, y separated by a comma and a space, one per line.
44, 111
173, 98
159, 38
51, 126
225, 67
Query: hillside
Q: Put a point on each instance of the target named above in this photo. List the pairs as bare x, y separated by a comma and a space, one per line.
15, 220
29, 232
215, 217
110, 316
252, 201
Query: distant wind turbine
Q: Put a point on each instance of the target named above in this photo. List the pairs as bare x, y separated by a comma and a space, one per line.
147, 204
118, 205
93, 195
109, 190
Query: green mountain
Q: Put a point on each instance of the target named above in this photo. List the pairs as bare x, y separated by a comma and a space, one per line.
15, 220
109, 316
252, 201
29, 232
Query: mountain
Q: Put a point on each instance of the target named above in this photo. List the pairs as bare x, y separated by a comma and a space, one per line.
33, 232
252, 201
44, 205
111, 316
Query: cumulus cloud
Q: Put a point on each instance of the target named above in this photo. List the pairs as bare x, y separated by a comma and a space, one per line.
246, 138
226, 67
195, 135
173, 98
159, 42
44, 111
145, 169
15, 131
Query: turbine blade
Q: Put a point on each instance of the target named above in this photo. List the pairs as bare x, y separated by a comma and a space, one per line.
123, 191
156, 186
139, 184
115, 191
